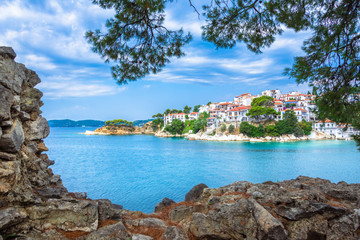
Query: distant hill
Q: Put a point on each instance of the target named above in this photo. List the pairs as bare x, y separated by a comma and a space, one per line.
71, 123
140, 123
88, 123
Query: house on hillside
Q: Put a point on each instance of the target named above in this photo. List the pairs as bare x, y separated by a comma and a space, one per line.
238, 114
333, 129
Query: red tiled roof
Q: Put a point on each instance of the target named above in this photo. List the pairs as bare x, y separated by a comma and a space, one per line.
300, 109
211, 118
239, 109
194, 113
291, 101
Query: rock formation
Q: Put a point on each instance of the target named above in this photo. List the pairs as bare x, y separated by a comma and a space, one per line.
35, 205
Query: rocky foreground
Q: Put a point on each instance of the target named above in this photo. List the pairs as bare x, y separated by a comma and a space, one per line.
35, 205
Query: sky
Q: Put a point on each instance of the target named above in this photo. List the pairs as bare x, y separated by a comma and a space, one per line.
48, 37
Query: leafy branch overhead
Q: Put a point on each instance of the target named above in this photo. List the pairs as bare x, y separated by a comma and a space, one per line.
137, 39
138, 42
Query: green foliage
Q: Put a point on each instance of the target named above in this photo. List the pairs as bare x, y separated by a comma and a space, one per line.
258, 111
136, 38
176, 127
189, 126
197, 108
262, 107
118, 122
264, 101
208, 103
306, 127
271, 130
159, 115
231, 128
187, 109
298, 132
251, 130
156, 122
223, 128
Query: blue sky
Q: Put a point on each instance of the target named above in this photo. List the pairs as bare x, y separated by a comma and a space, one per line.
48, 37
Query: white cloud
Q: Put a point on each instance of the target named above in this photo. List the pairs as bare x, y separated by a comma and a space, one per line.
77, 89
37, 62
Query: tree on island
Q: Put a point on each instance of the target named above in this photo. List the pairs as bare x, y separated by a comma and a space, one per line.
138, 42
261, 108
118, 122
196, 108
176, 127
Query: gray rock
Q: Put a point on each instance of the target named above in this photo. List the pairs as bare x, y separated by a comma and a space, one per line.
30, 101
116, 231
270, 227
257, 195
4, 106
195, 193
80, 195
12, 140
32, 78
0, 132
7, 52
24, 116
152, 223
107, 210
174, 233
180, 213
79, 215
7, 123
141, 237
38, 129
10, 216
165, 202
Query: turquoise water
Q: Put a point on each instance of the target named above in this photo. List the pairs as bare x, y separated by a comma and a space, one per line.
138, 171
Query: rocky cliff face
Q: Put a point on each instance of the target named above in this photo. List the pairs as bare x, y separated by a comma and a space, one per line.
125, 130
35, 205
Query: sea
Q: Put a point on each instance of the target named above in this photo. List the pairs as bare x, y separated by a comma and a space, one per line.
138, 171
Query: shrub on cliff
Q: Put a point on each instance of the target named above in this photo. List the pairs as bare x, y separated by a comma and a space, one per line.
176, 127
306, 127
223, 128
251, 130
231, 128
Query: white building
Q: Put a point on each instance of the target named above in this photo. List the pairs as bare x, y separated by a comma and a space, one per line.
238, 114
193, 115
272, 93
335, 130
302, 114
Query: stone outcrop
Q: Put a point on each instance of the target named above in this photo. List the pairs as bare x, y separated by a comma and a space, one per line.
35, 205
124, 130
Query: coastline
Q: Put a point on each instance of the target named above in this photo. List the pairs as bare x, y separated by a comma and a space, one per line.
221, 137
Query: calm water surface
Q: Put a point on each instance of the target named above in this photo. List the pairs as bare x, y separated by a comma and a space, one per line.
138, 171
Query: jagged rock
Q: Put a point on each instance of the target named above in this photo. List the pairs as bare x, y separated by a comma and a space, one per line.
10, 216
0, 132
7, 52
38, 129
270, 227
31, 102
73, 215
180, 213
4, 104
11, 140
41, 147
195, 192
111, 232
6, 124
32, 78
107, 210
141, 237
146, 222
165, 202
174, 233
7, 156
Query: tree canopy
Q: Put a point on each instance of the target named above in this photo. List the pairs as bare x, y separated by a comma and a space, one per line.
138, 42
261, 107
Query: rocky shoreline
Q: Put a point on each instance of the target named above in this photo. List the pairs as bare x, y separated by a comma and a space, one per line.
34, 204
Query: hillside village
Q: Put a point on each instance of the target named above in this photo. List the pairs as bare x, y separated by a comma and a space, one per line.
237, 111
